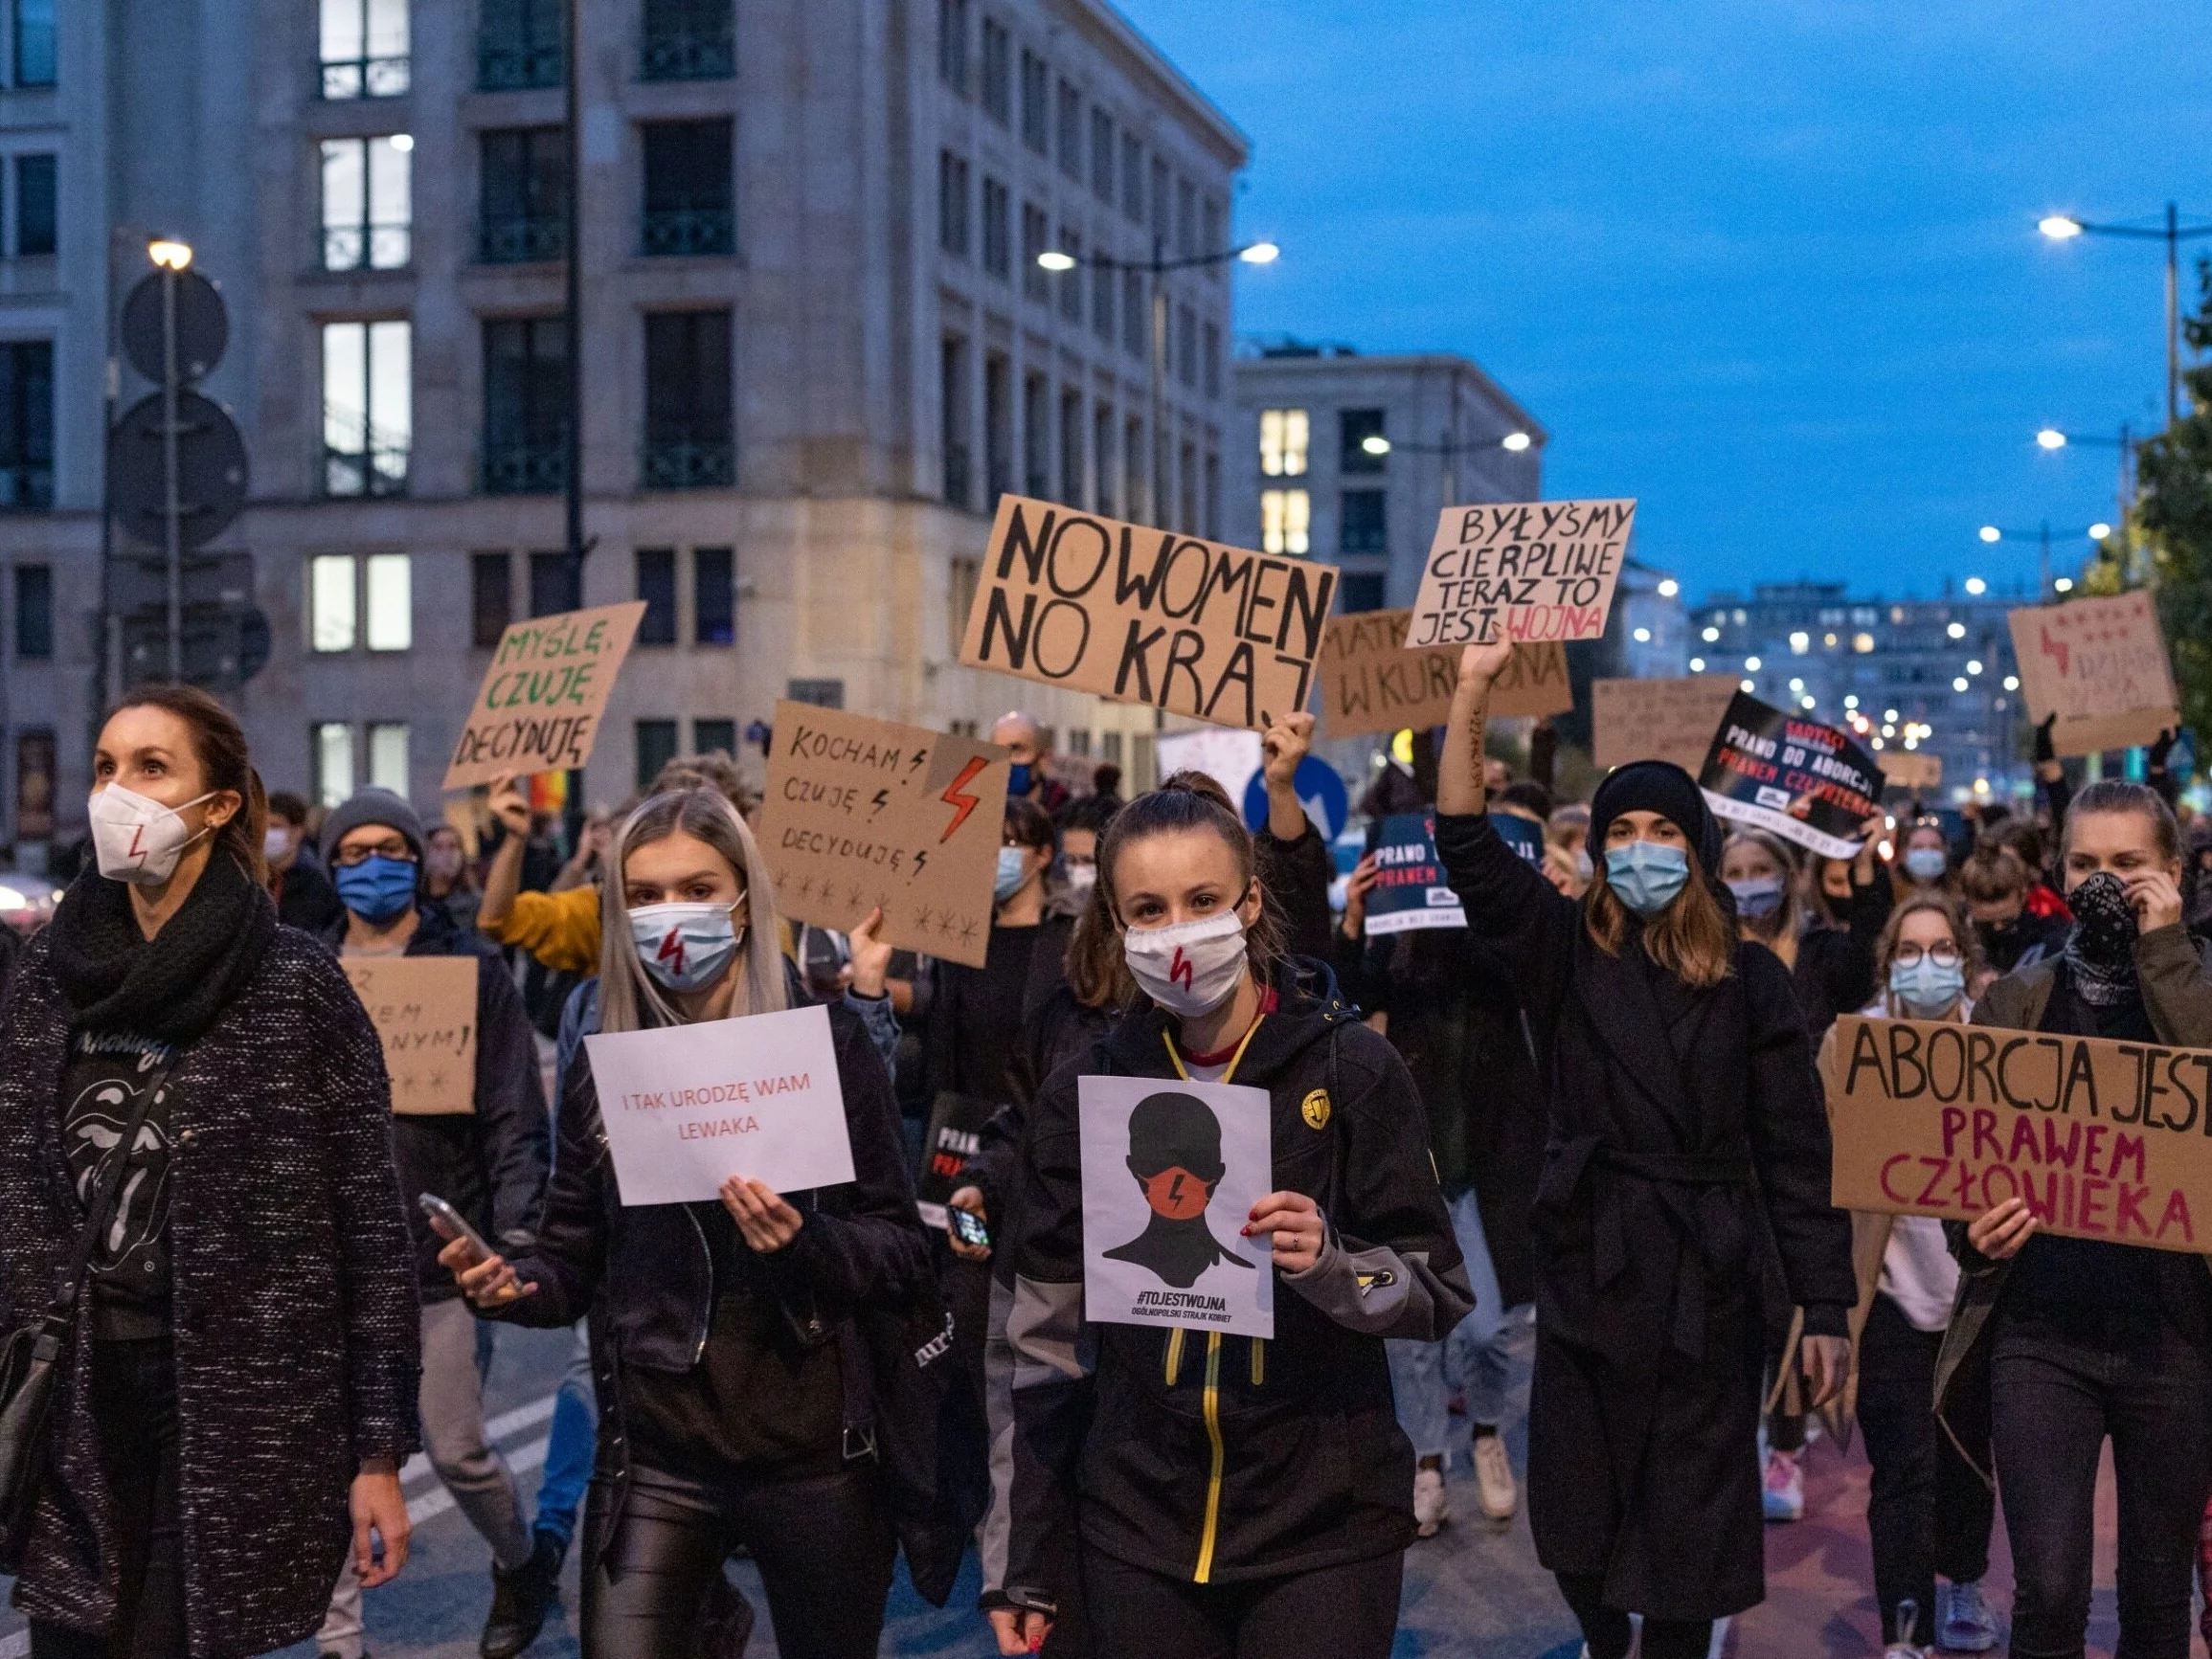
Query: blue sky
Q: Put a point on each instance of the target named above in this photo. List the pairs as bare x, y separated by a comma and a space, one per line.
1769, 265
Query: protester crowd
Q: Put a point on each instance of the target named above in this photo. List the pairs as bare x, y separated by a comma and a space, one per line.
1565, 1168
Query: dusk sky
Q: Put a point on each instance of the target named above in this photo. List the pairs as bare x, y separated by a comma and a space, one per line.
1770, 266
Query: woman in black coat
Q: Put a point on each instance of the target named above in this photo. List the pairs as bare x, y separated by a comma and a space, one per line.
1681, 1096
240, 1391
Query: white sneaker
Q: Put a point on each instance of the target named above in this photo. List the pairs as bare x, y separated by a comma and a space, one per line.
1963, 1619
1428, 1511
1494, 1478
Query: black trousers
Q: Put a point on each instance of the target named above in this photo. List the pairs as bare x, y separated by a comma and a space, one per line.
134, 1413
2052, 1405
1928, 1511
1348, 1612
1608, 1632
823, 1542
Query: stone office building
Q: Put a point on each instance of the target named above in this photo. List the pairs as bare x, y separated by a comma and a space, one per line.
816, 346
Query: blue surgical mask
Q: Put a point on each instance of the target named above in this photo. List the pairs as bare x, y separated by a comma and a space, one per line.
1757, 900
1013, 872
1018, 778
1926, 864
685, 947
1647, 875
377, 889
1926, 989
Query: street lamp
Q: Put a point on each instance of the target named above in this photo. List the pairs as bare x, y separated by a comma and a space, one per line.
170, 254
2052, 440
2042, 536
1158, 267
2066, 227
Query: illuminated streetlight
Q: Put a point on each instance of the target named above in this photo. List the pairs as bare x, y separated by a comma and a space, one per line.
2060, 227
1750, 686
2099, 530
1973, 665
1750, 664
1958, 685
1991, 533
169, 255
1668, 588
2065, 584
1375, 444
2050, 437
1643, 636
402, 142
2012, 681
1976, 586
1957, 630
1260, 254
1697, 664
1516, 442
1055, 259
1711, 636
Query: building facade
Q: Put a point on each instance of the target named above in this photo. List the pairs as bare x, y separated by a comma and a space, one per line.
816, 344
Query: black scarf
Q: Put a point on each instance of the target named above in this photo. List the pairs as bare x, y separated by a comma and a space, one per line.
174, 985
2101, 950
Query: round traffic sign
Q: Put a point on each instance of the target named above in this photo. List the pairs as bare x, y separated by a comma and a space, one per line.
203, 329
211, 469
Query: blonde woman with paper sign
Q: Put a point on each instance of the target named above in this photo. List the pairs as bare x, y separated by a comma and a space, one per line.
739, 1360
1210, 1488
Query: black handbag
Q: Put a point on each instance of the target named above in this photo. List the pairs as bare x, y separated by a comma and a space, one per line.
31, 1353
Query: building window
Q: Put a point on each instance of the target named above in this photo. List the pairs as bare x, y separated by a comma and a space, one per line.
33, 612
1211, 239
1360, 590
713, 736
1187, 221
689, 442
1102, 279
657, 587
689, 40
35, 53
997, 429
518, 44
522, 203
491, 598
1036, 102
1036, 437
690, 204
1361, 523
998, 72
1136, 313
390, 589
26, 426
1213, 497
1162, 203
525, 405
1102, 155
714, 596
1072, 446
1102, 456
1070, 130
1354, 427
36, 231
953, 417
364, 48
953, 202
1134, 495
555, 585
332, 743
1133, 178
1210, 355
1186, 476
1036, 280
953, 44
368, 407
998, 232
388, 755
656, 741
819, 693
963, 577
333, 609
1071, 282
1282, 442
367, 203
1187, 344
1285, 521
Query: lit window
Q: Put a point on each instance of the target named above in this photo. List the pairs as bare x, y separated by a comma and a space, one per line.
364, 48
333, 762
368, 407
1739, 619
368, 204
1285, 516
1828, 640
388, 755
391, 603
331, 620
1282, 442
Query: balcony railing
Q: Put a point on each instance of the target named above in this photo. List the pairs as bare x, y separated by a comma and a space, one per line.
689, 463
366, 247
511, 65
522, 241
688, 49
378, 472
677, 232
347, 78
524, 469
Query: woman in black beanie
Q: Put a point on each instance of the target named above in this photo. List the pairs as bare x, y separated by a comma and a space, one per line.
1683, 1102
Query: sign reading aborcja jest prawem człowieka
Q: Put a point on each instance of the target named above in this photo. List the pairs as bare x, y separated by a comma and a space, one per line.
1522, 570
1146, 615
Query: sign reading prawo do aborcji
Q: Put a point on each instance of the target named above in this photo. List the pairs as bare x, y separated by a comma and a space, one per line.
538, 708
1147, 615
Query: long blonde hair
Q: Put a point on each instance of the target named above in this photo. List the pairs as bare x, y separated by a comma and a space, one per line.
629, 997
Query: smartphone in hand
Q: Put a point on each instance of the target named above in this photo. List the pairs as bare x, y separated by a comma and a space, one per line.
970, 1228
449, 1223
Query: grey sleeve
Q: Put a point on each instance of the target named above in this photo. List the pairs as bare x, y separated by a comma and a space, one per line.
881, 1020
1379, 1291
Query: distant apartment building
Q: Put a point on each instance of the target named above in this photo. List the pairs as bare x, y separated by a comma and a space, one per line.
817, 345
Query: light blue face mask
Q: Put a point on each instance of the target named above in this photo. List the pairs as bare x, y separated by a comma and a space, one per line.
1926, 864
1926, 989
1757, 900
1013, 871
1647, 875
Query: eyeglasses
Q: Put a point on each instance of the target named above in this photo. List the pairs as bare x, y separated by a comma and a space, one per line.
350, 858
1943, 956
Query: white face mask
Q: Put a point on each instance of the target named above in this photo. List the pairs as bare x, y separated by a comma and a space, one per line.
1081, 878
276, 843
138, 839
1189, 968
684, 947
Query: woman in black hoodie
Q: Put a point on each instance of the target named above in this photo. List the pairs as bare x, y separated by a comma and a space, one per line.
1683, 1104
1224, 1491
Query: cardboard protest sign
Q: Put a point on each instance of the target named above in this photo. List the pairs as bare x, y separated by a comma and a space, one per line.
1170, 1170
1522, 570
1909, 768
686, 1107
1806, 782
861, 812
2101, 666
954, 1136
1371, 684
424, 1009
1146, 615
538, 708
2102, 1139
1658, 719
1410, 891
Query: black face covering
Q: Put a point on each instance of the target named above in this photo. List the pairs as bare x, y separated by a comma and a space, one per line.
2101, 950
2001, 942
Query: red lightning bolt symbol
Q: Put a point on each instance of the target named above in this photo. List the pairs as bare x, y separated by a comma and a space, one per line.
1180, 971
954, 798
137, 835
672, 946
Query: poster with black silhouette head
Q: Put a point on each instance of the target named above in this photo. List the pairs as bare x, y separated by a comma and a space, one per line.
1170, 1172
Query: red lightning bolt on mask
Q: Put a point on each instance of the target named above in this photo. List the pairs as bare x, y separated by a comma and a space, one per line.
672, 951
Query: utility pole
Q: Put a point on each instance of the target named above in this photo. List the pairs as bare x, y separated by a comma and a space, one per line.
573, 350
173, 513
1160, 450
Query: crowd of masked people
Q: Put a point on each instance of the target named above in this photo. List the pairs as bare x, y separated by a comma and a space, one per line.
1557, 1178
